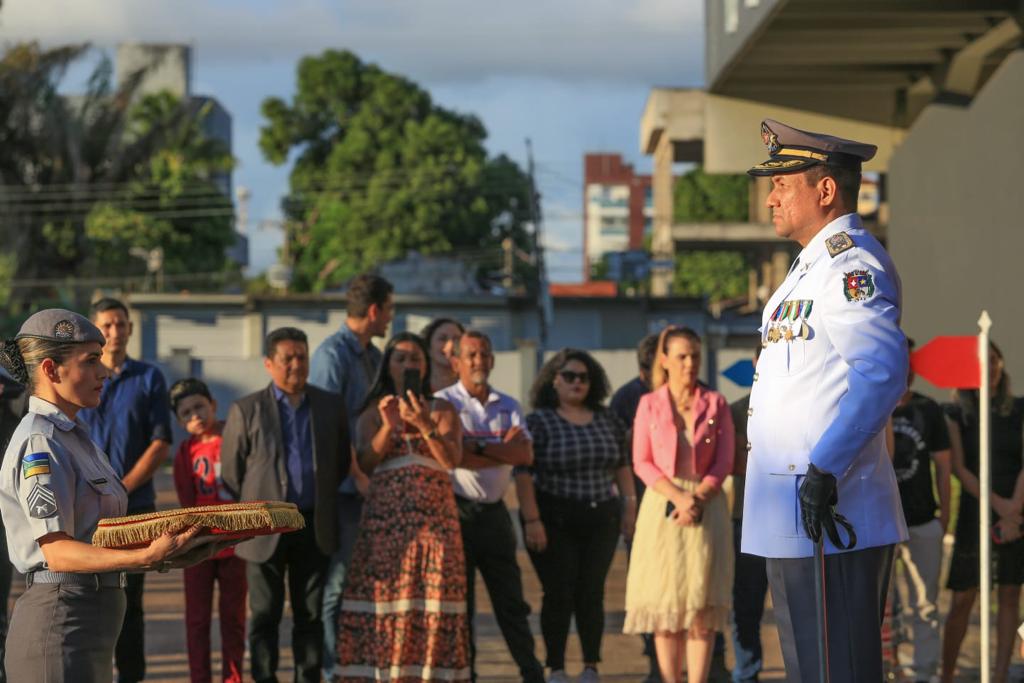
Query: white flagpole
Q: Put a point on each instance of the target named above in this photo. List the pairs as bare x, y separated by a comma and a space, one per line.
984, 483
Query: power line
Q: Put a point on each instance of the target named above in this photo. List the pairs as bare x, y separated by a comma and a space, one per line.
169, 213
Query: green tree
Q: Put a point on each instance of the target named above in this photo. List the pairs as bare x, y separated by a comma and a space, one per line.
705, 197
717, 275
83, 177
380, 170
173, 203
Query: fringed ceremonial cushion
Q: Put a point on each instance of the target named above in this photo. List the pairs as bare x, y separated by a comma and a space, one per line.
232, 521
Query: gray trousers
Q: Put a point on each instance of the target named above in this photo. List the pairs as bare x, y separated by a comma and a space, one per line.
62, 634
856, 585
922, 562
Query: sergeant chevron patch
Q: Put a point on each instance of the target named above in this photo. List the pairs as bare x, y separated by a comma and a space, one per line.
41, 502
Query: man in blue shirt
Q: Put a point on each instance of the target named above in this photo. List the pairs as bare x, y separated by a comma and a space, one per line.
132, 425
288, 441
346, 363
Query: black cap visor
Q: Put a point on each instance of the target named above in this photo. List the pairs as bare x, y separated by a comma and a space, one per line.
782, 164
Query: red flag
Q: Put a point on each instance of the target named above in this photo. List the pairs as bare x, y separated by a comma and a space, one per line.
949, 362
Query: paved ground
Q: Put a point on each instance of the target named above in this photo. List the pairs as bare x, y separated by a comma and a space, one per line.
623, 660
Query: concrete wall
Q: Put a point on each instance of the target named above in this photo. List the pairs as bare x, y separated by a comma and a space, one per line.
732, 142
957, 211
514, 372
730, 25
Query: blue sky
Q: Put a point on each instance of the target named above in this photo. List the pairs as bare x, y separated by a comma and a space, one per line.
572, 75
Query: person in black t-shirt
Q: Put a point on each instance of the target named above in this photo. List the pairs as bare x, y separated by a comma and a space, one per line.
624, 404
921, 438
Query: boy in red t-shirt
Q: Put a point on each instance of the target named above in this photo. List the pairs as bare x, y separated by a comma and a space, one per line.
197, 481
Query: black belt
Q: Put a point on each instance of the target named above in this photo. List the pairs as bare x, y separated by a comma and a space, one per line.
102, 580
481, 503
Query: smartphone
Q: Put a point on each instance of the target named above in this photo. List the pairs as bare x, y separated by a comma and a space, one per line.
411, 381
670, 507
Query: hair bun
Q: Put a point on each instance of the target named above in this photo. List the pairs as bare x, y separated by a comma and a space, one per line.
13, 362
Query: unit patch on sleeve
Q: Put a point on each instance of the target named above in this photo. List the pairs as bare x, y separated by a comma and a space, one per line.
838, 243
858, 285
41, 502
35, 464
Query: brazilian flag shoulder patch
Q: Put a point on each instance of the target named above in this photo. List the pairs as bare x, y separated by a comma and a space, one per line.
35, 464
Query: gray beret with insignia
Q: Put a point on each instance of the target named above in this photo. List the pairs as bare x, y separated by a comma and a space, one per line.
60, 325
792, 150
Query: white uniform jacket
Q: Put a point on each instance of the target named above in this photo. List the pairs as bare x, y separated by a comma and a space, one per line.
833, 366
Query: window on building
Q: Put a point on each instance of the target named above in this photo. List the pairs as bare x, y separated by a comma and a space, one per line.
732, 15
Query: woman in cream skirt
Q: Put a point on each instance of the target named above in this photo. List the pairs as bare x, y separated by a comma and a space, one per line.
679, 585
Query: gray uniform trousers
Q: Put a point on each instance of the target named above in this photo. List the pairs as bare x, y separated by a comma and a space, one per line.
64, 633
856, 587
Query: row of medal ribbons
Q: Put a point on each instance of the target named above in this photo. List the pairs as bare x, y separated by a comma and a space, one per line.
789, 321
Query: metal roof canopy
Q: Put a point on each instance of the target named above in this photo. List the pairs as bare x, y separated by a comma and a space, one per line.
878, 61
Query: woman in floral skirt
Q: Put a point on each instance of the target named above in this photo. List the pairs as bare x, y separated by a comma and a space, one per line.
403, 613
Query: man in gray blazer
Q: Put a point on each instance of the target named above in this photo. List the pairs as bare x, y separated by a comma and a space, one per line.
288, 442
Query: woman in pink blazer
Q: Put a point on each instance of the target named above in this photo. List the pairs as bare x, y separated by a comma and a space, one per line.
679, 585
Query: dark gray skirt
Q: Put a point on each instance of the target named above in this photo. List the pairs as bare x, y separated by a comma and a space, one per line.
61, 633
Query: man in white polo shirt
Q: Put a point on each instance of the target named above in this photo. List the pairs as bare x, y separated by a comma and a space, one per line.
494, 440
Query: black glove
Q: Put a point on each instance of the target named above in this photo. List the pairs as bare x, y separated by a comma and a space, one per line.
818, 499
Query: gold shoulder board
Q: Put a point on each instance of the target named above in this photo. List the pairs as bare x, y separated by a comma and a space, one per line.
838, 243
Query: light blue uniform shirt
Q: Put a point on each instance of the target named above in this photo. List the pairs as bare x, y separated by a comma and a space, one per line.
833, 366
344, 366
54, 478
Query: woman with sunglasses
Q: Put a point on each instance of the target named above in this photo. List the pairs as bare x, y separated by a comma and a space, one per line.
574, 501
680, 576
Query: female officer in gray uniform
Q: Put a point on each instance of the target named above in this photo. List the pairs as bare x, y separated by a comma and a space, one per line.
55, 485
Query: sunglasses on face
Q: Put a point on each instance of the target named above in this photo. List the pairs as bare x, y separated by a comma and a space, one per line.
570, 376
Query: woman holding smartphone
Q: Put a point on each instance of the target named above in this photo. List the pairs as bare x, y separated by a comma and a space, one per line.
679, 585
403, 610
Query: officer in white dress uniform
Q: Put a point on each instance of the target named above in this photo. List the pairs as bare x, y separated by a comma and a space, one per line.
833, 366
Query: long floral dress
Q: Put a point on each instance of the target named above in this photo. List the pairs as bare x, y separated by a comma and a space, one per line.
403, 613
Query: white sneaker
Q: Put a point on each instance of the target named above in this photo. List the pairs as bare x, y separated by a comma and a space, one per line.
558, 676
589, 676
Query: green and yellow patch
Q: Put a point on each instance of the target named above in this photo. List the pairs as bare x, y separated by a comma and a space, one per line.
35, 464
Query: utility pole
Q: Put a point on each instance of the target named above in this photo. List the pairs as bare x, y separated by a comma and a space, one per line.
543, 289
243, 195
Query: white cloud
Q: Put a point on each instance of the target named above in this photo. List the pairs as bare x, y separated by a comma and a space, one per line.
654, 41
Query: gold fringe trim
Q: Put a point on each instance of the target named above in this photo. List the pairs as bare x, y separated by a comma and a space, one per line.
140, 530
